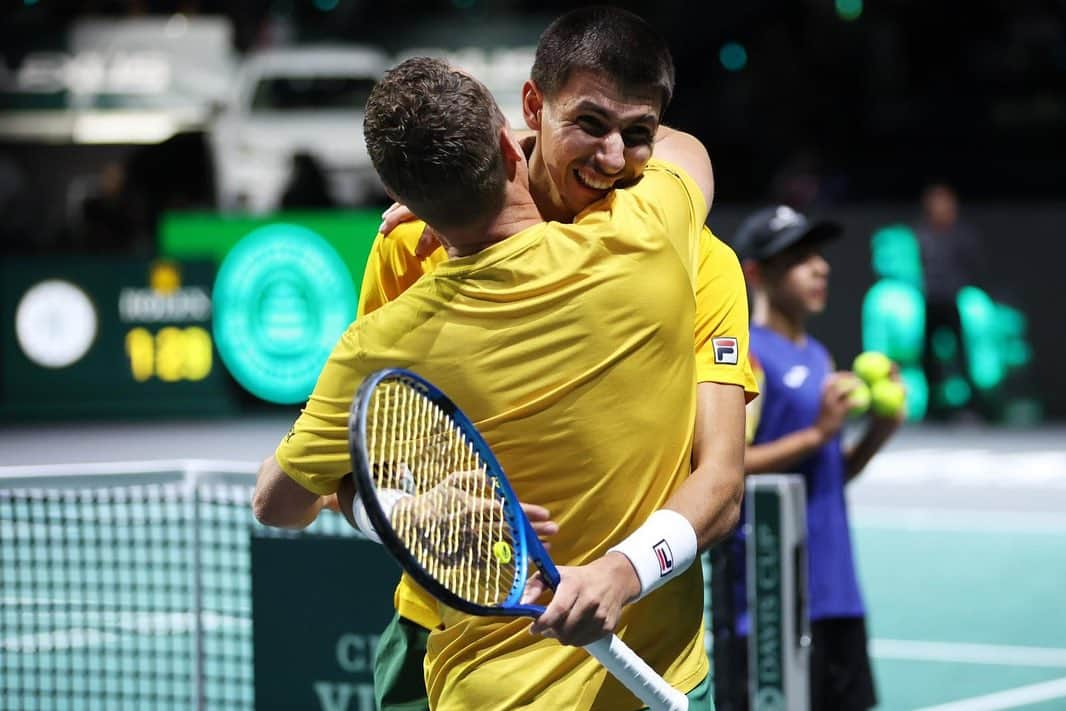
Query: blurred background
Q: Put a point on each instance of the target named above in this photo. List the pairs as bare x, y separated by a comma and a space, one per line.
186, 207
139, 131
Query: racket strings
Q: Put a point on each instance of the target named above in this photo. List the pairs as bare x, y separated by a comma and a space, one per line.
454, 523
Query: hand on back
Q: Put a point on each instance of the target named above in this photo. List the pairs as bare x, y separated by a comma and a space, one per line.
398, 214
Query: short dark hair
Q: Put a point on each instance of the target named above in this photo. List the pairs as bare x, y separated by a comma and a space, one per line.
608, 41
433, 134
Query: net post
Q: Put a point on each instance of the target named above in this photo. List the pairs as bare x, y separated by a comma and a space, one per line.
779, 640
192, 473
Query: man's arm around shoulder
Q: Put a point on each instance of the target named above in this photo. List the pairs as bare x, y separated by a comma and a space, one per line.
688, 153
705, 508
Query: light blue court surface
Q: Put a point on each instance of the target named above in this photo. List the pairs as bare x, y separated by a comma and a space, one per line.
963, 565
963, 618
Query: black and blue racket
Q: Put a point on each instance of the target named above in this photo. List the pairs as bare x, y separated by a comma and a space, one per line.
440, 503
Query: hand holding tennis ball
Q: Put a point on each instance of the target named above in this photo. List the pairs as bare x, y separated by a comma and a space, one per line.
858, 395
886, 396
859, 399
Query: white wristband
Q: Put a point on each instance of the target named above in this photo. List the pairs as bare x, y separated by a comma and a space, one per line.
387, 498
660, 550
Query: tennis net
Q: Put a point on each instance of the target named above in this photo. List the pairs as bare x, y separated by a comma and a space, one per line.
129, 585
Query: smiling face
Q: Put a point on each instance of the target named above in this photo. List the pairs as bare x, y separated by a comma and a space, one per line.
591, 137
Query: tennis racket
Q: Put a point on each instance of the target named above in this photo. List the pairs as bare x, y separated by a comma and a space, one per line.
440, 503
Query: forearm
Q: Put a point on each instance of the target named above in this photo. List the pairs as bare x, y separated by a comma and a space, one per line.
686, 151
711, 496
860, 454
710, 500
705, 508
280, 502
782, 454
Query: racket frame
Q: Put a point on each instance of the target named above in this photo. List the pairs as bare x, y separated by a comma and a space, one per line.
621, 661
527, 546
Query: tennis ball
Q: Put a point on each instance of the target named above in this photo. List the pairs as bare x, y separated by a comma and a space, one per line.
858, 399
887, 398
872, 366
502, 551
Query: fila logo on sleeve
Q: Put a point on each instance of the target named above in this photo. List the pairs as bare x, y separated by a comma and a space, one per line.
665, 556
725, 350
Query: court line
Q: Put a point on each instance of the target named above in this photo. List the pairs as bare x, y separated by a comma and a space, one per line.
124, 467
958, 520
971, 467
967, 653
1009, 699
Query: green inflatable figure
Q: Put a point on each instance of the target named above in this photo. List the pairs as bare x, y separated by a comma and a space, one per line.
893, 322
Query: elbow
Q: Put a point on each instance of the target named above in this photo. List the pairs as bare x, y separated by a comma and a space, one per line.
277, 514
731, 514
261, 507
264, 510
734, 499
727, 514
269, 505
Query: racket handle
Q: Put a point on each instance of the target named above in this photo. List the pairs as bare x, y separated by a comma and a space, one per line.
636, 675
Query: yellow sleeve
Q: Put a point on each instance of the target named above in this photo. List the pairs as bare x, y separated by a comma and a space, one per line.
722, 339
392, 267
753, 411
671, 194
315, 451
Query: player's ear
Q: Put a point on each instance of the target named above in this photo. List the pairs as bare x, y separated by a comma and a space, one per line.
511, 150
532, 104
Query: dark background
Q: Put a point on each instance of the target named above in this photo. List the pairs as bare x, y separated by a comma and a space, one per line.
1024, 254
837, 117
910, 90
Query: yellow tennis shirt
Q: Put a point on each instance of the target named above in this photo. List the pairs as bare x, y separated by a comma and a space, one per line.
721, 313
570, 347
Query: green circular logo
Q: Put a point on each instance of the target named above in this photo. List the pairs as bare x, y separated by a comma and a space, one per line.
282, 297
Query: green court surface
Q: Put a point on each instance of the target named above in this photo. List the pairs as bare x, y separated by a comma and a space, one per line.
967, 610
967, 607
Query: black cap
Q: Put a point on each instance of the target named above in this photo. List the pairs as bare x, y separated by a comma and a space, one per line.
772, 230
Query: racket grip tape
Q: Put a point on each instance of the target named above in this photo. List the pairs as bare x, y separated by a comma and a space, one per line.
635, 674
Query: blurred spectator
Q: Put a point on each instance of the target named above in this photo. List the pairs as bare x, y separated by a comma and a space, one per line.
950, 248
950, 255
14, 217
308, 187
173, 175
106, 223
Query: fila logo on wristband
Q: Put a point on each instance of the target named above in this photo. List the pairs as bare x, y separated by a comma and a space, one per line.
661, 549
665, 556
725, 350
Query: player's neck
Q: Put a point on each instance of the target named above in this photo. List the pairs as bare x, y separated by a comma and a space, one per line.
517, 213
792, 327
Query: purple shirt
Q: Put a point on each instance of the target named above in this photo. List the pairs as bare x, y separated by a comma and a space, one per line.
791, 400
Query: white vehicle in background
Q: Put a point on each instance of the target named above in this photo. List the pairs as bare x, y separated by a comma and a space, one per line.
502, 69
305, 101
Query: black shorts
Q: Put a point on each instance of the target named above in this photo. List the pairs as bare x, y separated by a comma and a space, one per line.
841, 677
